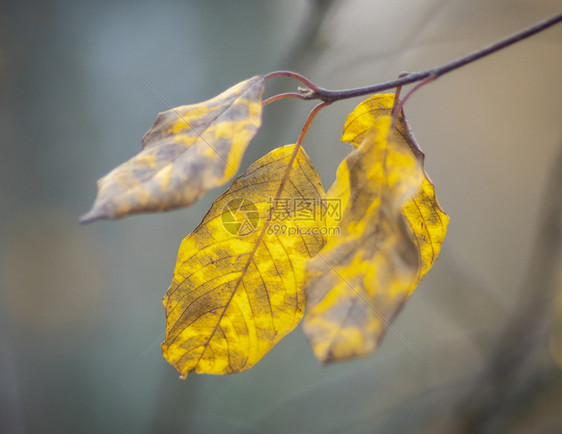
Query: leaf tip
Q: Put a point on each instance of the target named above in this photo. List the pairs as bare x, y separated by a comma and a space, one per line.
91, 216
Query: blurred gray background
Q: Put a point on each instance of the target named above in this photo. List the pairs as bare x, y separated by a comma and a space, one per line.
81, 317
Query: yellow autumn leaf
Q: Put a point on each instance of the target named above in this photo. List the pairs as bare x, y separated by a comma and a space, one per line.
237, 287
189, 150
390, 234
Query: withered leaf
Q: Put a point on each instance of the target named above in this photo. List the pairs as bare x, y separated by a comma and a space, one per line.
389, 236
189, 150
237, 287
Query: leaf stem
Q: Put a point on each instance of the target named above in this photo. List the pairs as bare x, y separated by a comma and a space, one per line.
298, 145
294, 75
282, 96
317, 93
394, 112
399, 103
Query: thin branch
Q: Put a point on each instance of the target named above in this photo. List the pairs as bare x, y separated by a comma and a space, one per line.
317, 93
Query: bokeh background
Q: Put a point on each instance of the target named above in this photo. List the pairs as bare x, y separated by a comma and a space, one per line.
81, 317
